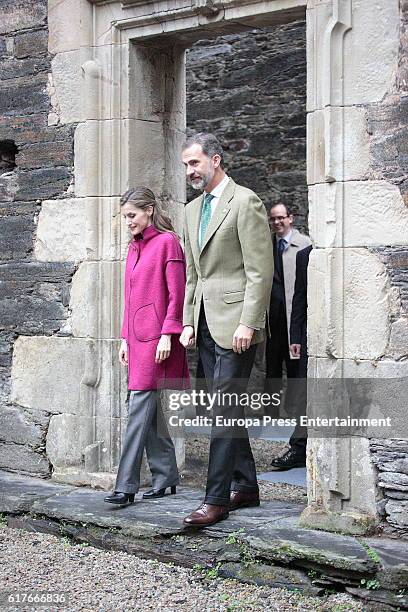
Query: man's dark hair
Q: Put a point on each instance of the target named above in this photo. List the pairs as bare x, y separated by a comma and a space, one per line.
209, 144
289, 209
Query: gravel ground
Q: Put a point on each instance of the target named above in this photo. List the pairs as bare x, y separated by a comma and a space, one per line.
102, 580
195, 472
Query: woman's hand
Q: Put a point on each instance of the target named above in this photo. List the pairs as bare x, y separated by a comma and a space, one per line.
123, 353
163, 348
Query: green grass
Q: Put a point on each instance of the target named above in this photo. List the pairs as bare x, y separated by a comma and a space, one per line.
234, 537
207, 572
371, 584
371, 553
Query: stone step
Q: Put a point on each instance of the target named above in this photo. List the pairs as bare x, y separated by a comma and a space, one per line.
261, 545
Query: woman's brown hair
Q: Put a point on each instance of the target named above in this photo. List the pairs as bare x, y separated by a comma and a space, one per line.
142, 197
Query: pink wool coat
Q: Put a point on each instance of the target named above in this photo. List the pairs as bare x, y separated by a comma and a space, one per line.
155, 279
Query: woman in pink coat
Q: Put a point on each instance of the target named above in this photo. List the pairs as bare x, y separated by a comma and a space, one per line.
155, 279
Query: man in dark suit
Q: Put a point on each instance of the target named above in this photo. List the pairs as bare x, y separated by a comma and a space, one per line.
296, 455
287, 242
298, 320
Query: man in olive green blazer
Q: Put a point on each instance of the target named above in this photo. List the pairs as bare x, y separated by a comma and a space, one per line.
229, 278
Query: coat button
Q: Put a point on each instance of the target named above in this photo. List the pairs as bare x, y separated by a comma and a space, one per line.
203, 280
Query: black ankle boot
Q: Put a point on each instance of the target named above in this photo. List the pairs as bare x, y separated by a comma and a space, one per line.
291, 459
121, 499
152, 494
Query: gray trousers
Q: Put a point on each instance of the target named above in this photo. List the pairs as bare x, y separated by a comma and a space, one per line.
231, 464
146, 429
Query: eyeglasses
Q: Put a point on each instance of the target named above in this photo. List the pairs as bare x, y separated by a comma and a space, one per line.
278, 219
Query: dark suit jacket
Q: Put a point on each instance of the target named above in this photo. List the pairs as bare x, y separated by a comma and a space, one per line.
298, 320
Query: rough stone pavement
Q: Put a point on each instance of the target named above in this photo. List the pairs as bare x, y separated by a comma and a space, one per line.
257, 545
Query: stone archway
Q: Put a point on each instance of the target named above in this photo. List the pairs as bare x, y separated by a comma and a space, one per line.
118, 72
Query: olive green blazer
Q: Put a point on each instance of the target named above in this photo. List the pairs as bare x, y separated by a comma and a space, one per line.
232, 273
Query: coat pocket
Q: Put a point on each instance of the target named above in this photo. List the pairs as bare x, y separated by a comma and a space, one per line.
146, 324
234, 296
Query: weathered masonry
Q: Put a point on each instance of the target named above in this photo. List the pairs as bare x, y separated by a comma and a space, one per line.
249, 88
113, 80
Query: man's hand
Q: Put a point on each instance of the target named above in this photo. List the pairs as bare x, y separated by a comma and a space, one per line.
187, 336
295, 350
123, 353
163, 348
241, 340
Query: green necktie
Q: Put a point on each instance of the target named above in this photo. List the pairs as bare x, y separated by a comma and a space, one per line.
205, 216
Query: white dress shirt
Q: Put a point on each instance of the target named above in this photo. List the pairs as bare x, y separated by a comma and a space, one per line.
287, 238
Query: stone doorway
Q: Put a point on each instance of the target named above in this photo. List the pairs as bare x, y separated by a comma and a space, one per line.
118, 75
133, 90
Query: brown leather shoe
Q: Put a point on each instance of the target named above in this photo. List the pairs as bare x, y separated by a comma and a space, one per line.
241, 499
206, 514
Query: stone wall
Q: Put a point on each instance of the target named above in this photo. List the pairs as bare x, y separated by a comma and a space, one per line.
265, 149
391, 459
387, 125
34, 296
250, 90
358, 324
